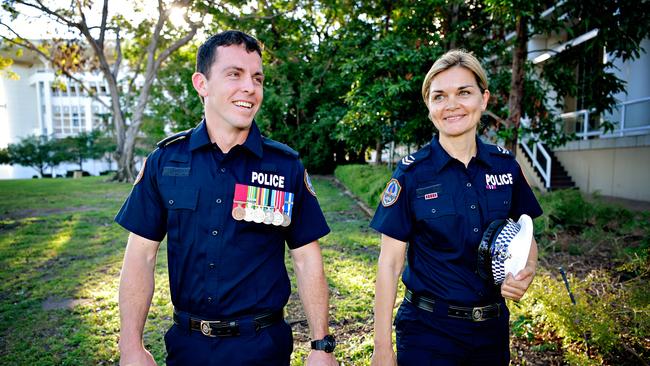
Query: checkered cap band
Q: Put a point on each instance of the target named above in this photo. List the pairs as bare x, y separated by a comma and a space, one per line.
499, 250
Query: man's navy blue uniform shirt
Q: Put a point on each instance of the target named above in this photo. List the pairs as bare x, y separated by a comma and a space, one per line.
220, 267
441, 208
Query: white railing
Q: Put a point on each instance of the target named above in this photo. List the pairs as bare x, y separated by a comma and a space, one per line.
543, 167
629, 118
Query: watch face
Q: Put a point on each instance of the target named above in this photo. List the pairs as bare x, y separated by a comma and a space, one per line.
327, 344
330, 343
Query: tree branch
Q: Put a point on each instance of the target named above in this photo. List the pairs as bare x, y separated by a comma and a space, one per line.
102, 28
32, 47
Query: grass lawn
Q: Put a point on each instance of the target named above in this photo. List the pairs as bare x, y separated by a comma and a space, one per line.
60, 258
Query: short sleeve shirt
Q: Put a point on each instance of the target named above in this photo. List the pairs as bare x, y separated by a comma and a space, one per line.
220, 266
441, 209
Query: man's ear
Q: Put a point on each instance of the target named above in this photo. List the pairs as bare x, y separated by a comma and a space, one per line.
200, 83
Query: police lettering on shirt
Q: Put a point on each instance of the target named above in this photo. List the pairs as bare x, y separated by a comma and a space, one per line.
494, 180
267, 179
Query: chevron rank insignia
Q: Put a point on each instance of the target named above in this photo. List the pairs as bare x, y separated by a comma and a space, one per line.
503, 150
407, 160
391, 193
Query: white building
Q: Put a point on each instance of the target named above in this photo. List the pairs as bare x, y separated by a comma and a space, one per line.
613, 163
35, 105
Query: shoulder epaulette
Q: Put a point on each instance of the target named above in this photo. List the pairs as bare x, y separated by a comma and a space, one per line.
174, 138
410, 160
280, 146
499, 150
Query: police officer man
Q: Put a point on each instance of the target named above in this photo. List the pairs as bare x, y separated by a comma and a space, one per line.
440, 200
227, 199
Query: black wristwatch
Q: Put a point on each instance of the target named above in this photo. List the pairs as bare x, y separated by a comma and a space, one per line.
327, 344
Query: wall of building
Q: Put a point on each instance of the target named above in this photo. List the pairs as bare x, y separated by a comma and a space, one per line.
18, 101
618, 167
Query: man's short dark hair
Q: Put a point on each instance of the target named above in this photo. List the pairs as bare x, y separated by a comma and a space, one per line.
207, 53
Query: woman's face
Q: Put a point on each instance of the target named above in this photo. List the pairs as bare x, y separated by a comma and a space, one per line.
456, 102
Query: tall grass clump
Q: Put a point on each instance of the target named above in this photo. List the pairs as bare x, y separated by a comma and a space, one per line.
610, 321
366, 181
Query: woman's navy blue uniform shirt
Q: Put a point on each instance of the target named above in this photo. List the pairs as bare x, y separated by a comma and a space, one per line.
442, 209
220, 267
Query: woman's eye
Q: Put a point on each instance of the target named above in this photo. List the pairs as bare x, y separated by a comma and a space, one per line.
437, 98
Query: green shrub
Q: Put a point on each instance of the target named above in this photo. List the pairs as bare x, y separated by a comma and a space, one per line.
602, 320
365, 181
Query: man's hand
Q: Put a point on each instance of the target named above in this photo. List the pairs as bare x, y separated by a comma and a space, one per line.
321, 358
138, 357
383, 356
514, 288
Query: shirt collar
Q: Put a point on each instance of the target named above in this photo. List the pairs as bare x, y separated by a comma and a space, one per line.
253, 142
441, 158
482, 153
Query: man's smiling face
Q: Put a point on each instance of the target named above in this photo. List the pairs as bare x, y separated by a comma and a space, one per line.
234, 91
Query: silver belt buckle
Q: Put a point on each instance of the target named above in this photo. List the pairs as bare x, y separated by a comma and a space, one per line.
477, 314
206, 329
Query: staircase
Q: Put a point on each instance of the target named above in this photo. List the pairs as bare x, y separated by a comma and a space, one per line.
559, 177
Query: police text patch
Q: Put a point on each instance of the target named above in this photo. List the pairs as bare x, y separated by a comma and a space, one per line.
492, 181
267, 179
391, 193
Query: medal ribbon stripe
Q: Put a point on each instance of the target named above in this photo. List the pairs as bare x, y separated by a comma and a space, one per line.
240, 195
288, 204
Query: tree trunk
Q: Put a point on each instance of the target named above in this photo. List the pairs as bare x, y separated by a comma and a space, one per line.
379, 146
517, 84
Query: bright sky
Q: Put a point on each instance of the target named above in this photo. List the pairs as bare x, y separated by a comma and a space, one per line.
31, 26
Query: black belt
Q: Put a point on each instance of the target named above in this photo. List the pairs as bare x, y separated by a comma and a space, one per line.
226, 328
476, 314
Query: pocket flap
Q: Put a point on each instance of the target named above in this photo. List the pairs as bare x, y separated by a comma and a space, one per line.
177, 198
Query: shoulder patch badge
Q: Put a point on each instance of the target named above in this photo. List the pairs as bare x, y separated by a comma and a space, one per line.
408, 160
391, 193
141, 172
308, 184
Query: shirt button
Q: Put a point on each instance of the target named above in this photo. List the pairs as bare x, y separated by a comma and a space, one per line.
505, 202
433, 210
473, 207
211, 265
223, 170
171, 202
209, 299
218, 200
215, 232
468, 184
476, 230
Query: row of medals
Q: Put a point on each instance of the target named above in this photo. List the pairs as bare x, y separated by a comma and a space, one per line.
260, 215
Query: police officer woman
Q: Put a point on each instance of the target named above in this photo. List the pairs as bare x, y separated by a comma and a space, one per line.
440, 200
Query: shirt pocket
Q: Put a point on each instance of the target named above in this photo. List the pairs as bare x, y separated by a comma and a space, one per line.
436, 220
430, 203
499, 203
180, 203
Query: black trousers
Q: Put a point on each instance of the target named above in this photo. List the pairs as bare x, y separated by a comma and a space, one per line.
433, 338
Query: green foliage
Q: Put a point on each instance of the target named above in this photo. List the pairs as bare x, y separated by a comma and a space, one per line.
38, 152
605, 317
85, 145
174, 84
366, 181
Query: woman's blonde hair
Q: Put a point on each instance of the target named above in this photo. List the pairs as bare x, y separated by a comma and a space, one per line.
450, 59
